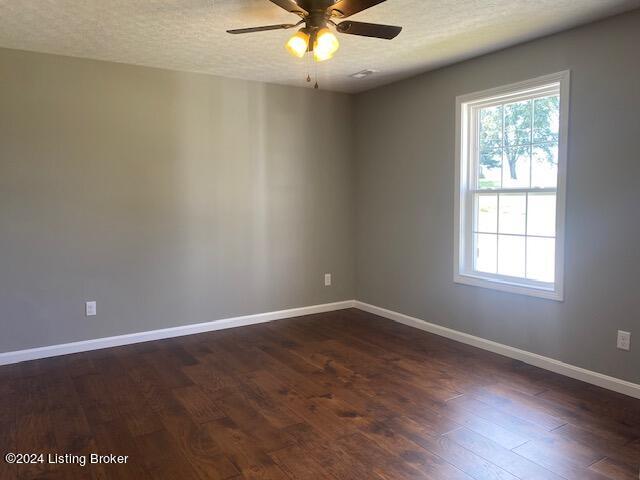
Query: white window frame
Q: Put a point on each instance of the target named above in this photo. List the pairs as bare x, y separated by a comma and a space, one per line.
463, 255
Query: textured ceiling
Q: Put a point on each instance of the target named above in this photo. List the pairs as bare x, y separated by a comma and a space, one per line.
190, 34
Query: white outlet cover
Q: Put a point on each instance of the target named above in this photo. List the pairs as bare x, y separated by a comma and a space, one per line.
327, 279
90, 308
624, 340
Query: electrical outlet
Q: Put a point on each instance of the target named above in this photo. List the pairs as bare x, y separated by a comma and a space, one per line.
90, 309
327, 279
624, 340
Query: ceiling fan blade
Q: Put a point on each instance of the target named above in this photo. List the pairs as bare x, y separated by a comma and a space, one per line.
282, 26
376, 30
291, 6
346, 8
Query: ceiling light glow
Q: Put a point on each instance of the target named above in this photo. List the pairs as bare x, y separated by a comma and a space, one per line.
298, 44
325, 45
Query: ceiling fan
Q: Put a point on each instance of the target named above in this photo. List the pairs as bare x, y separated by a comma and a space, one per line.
317, 15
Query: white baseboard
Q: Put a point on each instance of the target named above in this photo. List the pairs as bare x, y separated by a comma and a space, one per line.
106, 342
594, 378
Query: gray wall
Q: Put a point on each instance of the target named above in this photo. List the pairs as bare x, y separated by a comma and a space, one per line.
405, 194
169, 198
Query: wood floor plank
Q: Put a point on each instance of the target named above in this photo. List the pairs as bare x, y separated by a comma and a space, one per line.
277, 414
519, 405
193, 441
339, 463
382, 464
72, 431
31, 397
502, 436
617, 424
8, 444
114, 438
298, 465
142, 420
564, 462
615, 469
514, 424
209, 374
606, 442
167, 370
199, 405
162, 458
330, 424
628, 455
253, 423
472, 464
504, 458
432, 467
9, 407
591, 402
35, 434
94, 398
242, 451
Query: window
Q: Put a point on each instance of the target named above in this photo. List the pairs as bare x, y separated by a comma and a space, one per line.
510, 174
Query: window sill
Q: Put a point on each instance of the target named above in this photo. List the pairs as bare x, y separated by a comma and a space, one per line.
508, 286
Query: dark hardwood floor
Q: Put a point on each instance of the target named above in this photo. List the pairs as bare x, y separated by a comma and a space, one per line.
342, 395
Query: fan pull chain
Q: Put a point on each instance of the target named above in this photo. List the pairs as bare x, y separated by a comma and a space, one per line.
315, 64
309, 61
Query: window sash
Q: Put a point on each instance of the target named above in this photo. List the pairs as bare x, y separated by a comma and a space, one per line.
474, 129
472, 230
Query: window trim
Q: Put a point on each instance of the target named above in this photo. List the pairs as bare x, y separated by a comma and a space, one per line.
464, 103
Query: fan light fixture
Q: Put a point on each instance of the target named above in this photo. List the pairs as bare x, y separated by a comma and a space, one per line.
325, 45
298, 44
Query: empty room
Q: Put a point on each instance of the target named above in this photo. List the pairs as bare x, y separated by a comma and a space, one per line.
320, 239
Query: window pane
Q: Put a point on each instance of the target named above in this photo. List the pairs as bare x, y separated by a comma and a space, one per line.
515, 173
511, 252
487, 219
491, 127
517, 123
546, 119
486, 251
513, 209
544, 167
541, 214
541, 259
490, 169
